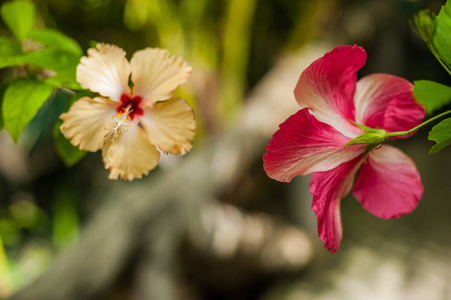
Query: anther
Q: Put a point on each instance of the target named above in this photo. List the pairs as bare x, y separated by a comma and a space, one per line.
122, 124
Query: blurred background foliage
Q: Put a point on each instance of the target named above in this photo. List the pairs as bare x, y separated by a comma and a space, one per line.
231, 45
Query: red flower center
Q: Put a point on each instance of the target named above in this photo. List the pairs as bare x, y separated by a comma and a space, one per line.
131, 103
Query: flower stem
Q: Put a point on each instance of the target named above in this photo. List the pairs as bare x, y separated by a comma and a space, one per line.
407, 132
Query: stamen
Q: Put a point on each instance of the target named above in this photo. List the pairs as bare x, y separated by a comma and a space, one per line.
122, 124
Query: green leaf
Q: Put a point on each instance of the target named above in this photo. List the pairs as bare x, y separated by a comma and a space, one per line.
54, 59
64, 80
425, 24
431, 94
10, 53
22, 100
56, 39
19, 16
69, 154
9, 47
441, 39
441, 134
62, 62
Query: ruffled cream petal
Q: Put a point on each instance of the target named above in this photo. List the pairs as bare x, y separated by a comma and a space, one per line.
84, 124
170, 125
130, 155
105, 71
156, 75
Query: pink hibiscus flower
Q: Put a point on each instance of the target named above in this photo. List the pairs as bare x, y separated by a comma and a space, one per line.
317, 138
130, 123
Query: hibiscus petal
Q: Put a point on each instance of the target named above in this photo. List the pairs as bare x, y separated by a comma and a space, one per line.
387, 101
84, 124
327, 87
303, 145
105, 71
130, 155
156, 75
328, 188
170, 125
388, 185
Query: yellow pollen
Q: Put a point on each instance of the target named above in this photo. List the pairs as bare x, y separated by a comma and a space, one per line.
121, 124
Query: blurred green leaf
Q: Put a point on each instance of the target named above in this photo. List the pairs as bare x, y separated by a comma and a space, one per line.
425, 24
9, 231
10, 53
62, 62
63, 80
55, 39
54, 59
69, 154
19, 16
27, 215
136, 13
431, 94
441, 134
9, 47
22, 100
65, 213
441, 39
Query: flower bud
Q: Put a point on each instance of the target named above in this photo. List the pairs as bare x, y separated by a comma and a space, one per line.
425, 21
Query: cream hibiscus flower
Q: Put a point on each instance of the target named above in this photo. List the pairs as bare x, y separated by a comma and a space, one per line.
128, 123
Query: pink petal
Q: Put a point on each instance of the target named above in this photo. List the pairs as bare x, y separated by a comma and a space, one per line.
303, 145
327, 87
388, 185
328, 188
386, 101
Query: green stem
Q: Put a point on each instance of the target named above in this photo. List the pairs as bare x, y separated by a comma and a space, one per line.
398, 133
434, 52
